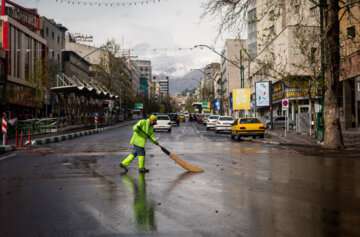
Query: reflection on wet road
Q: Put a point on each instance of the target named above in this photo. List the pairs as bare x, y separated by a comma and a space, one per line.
74, 188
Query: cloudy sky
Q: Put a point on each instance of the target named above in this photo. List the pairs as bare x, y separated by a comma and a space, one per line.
153, 31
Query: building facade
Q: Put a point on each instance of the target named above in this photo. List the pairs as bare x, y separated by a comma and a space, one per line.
164, 85
350, 66
25, 81
145, 69
230, 70
287, 55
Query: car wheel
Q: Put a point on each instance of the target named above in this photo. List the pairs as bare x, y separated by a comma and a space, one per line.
238, 138
169, 131
233, 137
262, 136
217, 131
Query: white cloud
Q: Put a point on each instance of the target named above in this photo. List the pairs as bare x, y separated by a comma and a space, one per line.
147, 29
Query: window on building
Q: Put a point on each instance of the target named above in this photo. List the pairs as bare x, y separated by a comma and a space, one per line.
313, 55
19, 62
58, 39
47, 31
351, 32
52, 54
53, 35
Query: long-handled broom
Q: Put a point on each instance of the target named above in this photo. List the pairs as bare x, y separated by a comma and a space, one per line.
184, 164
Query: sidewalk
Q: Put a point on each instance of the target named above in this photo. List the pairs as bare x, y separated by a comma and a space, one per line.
71, 134
277, 137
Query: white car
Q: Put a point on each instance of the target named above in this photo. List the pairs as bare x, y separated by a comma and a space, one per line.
223, 124
211, 122
163, 123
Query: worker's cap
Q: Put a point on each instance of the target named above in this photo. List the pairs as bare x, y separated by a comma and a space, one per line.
152, 118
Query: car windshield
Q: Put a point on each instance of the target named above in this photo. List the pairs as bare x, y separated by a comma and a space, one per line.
249, 120
226, 119
162, 117
214, 117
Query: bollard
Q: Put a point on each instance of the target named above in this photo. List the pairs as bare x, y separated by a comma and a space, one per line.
21, 139
16, 138
4, 129
29, 137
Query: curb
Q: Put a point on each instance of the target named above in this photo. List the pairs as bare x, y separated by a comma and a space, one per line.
65, 137
4, 149
285, 143
70, 136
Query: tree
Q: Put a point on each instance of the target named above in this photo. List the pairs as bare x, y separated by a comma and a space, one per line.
233, 13
114, 73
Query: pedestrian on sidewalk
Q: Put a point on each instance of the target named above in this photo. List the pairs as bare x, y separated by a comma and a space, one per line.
141, 131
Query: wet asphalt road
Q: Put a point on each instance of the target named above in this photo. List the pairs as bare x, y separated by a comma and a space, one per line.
74, 188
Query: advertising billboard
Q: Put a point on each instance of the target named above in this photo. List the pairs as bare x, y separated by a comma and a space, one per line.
241, 99
262, 91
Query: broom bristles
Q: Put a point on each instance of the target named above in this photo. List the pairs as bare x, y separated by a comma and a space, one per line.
186, 165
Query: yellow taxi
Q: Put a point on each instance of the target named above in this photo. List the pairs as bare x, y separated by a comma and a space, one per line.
247, 127
182, 118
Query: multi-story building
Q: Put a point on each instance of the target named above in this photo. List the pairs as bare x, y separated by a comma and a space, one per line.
163, 82
230, 69
286, 54
54, 33
251, 29
144, 66
209, 77
25, 81
350, 61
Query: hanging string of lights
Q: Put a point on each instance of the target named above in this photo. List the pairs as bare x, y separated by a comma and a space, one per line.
152, 50
110, 3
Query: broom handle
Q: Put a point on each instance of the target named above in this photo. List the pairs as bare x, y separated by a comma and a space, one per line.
166, 151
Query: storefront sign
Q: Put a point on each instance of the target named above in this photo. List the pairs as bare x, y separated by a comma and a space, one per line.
139, 106
27, 17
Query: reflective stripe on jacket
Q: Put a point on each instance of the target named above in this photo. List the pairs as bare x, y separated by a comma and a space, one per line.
138, 138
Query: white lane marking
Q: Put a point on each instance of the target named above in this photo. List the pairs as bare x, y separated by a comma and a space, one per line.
7, 156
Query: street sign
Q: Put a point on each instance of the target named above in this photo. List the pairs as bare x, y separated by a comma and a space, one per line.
285, 104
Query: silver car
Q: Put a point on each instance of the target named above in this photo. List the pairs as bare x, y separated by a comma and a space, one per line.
223, 124
163, 123
211, 121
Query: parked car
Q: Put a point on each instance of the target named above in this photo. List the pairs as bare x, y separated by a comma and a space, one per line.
247, 127
175, 120
279, 122
205, 118
199, 118
163, 123
223, 124
187, 116
211, 122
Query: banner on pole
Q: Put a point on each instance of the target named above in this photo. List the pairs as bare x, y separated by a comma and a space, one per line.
241, 99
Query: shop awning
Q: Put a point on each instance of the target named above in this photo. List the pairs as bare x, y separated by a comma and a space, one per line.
68, 84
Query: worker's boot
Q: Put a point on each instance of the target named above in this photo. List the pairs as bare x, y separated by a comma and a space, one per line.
124, 168
144, 170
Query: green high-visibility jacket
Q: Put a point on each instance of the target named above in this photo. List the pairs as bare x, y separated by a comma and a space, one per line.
139, 139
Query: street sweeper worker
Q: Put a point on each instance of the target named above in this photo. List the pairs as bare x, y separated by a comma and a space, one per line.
141, 131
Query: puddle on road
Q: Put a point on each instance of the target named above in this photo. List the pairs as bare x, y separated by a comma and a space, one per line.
143, 208
101, 153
